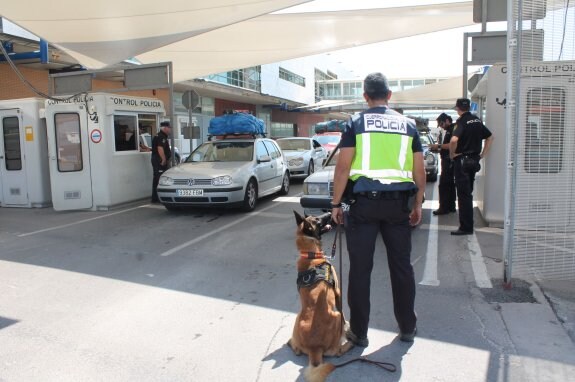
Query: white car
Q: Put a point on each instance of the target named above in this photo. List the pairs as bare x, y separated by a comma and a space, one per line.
302, 155
226, 172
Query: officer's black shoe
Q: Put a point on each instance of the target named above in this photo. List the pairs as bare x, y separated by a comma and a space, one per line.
408, 337
358, 341
440, 212
461, 233
452, 210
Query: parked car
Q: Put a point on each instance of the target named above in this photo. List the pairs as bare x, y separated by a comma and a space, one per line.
430, 158
302, 155
328, 140
318, 187
226, 172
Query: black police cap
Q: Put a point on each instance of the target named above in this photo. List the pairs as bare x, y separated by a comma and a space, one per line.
463, 103
443, 117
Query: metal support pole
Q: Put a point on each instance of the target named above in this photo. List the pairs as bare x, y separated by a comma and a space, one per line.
513, 106
171, 108
483, 16
465, 69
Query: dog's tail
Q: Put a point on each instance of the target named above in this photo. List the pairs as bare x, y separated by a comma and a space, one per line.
317, 371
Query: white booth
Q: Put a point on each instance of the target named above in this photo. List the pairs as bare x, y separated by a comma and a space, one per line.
489, 190
24, 174
546, 144
95, 156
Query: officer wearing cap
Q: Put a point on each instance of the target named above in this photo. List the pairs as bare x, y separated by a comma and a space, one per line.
381, 155
161, 154
446, 187
465, 149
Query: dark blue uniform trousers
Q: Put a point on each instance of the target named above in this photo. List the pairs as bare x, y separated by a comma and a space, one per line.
390, 218
464, 183
446, 187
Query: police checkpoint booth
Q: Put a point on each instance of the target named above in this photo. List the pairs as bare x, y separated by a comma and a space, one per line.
94, 149
24, 173
546, 145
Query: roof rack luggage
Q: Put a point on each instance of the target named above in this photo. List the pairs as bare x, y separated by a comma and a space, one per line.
236, 124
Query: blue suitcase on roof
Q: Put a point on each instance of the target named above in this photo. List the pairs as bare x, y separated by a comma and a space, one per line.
236, 123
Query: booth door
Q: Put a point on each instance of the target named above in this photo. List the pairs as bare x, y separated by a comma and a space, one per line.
13, 190
547, 158
69, 157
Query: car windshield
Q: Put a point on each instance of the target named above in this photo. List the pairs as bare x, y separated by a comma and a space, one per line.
294, 144
425, 140
223, 152
325, 139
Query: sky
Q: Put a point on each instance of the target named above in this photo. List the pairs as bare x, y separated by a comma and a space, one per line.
438, 54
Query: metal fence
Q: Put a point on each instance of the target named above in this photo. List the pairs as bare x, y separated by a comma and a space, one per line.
540, 205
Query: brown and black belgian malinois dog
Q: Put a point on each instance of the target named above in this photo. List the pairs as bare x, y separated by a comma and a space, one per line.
319, 326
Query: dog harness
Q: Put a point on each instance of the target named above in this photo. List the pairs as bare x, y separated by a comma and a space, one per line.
321, 272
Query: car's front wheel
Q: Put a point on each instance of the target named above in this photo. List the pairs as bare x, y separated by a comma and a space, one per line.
285, 184
311, 168
251, 196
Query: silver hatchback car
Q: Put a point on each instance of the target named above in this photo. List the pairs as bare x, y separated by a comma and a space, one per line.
229, 172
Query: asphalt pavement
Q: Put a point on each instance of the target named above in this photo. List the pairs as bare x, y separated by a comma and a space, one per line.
138, 293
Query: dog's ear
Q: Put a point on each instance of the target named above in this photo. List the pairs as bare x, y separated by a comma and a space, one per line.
298, 218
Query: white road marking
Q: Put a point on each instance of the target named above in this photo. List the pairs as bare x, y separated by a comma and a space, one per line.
430, 270
80, 222
222, 228
477, 264
289, 199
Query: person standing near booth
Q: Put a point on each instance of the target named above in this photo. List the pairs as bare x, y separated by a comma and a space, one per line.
447, 195
381, 153
161, 154
465, 149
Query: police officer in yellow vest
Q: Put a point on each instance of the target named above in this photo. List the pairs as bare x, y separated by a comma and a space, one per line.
381, 154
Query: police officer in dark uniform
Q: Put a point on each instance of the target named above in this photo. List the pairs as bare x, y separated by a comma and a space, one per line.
446, 187
465, 149
161, 155
382, 158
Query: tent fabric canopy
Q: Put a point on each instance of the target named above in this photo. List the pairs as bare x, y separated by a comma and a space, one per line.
206, 37
106, 32
440, 94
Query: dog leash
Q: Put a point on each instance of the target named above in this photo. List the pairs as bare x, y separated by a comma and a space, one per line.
384, 365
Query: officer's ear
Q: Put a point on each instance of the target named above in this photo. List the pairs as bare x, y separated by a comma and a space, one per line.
389, 92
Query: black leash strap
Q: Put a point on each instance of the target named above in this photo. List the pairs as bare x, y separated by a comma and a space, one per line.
384, 365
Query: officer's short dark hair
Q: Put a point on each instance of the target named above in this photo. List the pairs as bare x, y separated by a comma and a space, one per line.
165, 124
376, 86
463, 104
444, 117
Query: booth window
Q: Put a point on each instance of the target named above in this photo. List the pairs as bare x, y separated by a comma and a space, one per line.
147, 125
68, 142
125, 132
545, 130
12, 149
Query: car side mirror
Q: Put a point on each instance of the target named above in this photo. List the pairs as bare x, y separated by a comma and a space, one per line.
264, 158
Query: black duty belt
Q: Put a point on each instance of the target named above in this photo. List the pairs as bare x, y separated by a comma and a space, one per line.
321, 272
390, 195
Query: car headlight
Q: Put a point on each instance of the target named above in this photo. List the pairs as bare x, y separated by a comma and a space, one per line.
166, 181
430, 159
222, 180
296, 161
315, 189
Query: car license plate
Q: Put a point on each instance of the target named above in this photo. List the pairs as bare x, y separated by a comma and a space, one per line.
190, 192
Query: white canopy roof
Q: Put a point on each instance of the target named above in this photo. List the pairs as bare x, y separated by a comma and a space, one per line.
105, 32
440, 94
204, 37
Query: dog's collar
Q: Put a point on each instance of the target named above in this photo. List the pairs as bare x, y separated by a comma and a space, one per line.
312, 255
